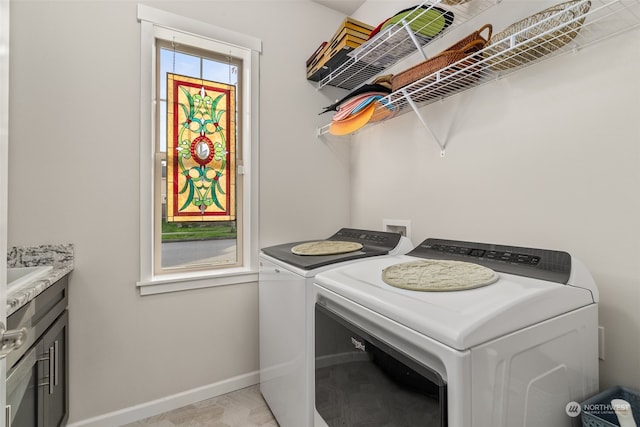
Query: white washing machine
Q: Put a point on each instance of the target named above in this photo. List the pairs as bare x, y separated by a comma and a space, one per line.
512, 353
285, 293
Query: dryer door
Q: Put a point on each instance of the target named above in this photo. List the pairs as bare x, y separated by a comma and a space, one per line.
362, 380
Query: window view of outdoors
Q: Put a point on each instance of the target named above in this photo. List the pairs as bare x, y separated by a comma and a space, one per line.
193, 244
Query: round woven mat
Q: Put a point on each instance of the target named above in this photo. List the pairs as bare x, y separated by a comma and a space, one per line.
326, 247
438, 275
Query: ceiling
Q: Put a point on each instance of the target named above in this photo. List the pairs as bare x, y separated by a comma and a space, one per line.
345, 6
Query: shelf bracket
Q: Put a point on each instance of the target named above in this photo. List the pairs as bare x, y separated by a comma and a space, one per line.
322, 130
413, 38
414, 107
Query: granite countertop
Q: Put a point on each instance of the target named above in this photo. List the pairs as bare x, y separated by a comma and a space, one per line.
58, 256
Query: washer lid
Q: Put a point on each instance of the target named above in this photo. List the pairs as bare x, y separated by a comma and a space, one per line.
459, 319
373, 243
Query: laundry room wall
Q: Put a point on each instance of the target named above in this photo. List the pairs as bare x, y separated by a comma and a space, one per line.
547, 157
74, 177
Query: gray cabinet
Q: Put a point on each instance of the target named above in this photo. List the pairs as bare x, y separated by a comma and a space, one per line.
37, 380
55, 396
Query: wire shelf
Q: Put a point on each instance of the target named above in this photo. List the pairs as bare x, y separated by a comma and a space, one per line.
541, 42
396, 42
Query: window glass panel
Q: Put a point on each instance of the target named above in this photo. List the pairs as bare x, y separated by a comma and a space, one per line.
203, 184
220, 72
187, 65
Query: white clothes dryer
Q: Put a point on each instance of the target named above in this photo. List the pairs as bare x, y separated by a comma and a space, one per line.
512, 353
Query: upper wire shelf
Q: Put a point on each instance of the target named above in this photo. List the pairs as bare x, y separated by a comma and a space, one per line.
540, 42
399, 40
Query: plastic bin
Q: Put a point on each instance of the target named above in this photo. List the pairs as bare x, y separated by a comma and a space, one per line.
598, 412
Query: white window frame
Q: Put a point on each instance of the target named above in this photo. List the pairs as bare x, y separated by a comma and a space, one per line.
155, 23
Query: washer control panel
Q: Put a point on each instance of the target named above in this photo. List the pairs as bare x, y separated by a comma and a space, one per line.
368, 237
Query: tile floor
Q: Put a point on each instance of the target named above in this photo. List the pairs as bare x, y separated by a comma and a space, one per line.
241, 408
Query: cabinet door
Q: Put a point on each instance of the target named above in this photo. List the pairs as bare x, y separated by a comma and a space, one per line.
24, 390
56, 396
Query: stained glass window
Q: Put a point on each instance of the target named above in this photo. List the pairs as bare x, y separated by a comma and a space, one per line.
199, 216
196, 252
201, 146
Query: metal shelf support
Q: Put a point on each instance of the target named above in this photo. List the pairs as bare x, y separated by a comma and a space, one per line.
414, 107
414, 39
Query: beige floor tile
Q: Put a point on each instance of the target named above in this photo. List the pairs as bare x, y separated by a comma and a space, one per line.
241, 408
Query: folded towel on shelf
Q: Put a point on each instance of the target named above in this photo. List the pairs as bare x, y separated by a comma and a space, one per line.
374, 87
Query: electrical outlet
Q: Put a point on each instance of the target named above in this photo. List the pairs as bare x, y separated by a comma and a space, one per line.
601, 342
401, 226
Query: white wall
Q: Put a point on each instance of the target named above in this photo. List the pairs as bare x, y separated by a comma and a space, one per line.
548, 157
74, 108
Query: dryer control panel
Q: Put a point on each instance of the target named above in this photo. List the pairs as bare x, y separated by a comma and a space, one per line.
545, 264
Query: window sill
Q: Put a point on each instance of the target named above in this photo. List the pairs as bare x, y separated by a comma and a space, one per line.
184, 282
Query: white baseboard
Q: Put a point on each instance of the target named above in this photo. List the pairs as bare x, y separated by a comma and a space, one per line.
169, 403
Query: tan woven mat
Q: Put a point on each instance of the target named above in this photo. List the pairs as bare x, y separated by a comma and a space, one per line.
326, 247
438, 275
